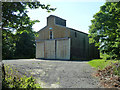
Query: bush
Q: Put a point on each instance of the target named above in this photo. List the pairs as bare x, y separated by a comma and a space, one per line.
14, 80
105, 56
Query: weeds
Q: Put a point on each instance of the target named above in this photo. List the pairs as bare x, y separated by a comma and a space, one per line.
13, 80
110, 75
108, 72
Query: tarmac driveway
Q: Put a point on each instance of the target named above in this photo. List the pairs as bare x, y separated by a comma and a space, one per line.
57, 74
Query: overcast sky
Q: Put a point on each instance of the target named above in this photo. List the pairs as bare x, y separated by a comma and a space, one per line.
77, 13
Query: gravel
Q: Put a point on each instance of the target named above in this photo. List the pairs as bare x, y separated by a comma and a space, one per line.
57, 73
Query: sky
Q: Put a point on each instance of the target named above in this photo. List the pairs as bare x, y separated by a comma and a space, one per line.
77, 13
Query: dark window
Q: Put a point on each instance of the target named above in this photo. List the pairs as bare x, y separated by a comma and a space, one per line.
51, 35
75, 34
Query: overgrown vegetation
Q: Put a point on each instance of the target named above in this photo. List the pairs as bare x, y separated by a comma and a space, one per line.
13, 80
108, 72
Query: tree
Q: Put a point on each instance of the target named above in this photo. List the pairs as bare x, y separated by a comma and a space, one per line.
15, 21
25, 46
105, 29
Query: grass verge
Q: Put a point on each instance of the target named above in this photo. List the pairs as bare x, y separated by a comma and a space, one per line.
100, 63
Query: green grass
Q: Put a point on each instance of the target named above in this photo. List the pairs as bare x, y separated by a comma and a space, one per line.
100, 63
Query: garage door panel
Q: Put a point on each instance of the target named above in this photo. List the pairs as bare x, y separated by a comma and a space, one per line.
50, 49
63, 49
40, 50
53, 49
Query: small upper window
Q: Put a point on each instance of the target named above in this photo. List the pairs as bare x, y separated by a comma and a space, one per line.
51, 35
75, 34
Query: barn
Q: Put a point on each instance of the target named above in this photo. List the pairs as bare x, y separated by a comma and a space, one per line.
56, 41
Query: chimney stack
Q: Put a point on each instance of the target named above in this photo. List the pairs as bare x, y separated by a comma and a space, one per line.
53, 20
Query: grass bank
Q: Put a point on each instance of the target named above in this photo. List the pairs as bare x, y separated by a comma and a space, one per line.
100, 63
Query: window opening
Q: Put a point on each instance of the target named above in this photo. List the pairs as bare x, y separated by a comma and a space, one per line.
51, 35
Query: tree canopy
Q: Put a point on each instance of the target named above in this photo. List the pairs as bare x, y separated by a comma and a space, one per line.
25, 46
15, 21
105, 29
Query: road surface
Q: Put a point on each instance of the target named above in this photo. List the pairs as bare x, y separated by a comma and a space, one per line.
57, 73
